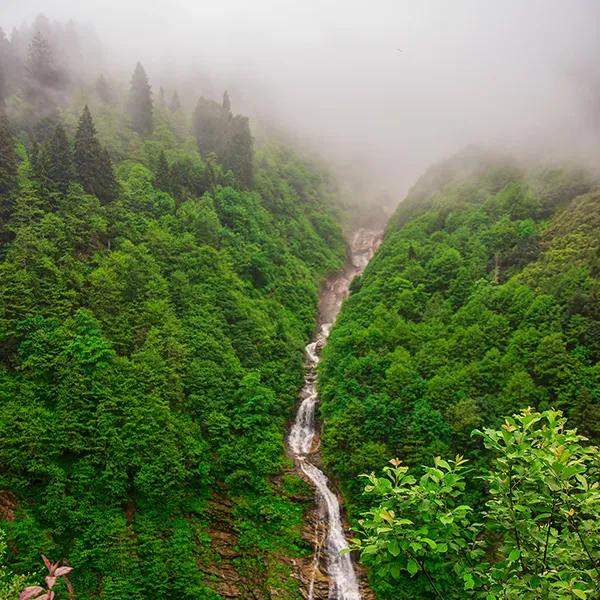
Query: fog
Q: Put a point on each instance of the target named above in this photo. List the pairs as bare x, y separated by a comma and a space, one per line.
381, 89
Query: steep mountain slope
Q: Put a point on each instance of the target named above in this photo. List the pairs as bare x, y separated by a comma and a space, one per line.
483, 299
156, 294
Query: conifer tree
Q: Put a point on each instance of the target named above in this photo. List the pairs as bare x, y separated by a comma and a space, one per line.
8, 162
107, 182
175, 104
92, 163
162, 179
140, 102
210, 125
238, 153
42, 78
161, 97
60, 162
226, 102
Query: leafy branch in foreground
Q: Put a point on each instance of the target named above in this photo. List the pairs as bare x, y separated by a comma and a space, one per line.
537, 536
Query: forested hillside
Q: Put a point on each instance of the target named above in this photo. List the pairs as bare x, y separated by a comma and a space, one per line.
158, 282
482, 300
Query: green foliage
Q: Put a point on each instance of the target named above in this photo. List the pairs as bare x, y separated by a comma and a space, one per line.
140, 102
537, 536
218, 131
8, 160
152, 327
10, 584
92, 162
481, 300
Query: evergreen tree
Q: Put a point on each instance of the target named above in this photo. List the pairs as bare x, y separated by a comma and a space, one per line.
60, 171
40, 69
175, 104
162, 179
92, 163
238, 155
8, 164
161, 97
210, 127
42, 79
109, 188
226, 102
140, 102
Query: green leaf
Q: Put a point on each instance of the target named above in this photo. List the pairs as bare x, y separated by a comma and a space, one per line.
514, 555
412, 567
394, 548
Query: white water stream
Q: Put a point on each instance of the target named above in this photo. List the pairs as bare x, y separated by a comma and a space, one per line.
303, 438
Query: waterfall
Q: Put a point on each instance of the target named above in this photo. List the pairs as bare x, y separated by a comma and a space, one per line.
303, 437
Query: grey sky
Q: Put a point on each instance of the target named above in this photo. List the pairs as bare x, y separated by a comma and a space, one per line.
469, 71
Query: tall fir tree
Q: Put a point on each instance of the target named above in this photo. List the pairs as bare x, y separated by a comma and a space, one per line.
8, 164
43, 80
60, 171
210, 126
162, 179
93, 166
107, 181
238, 153
140, 102
226, 102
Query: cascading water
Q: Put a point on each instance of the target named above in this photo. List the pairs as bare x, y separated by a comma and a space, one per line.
303, 437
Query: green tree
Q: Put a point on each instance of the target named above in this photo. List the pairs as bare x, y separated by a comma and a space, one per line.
162, 177
140, 102
8, 164
537, 536
56, 161
93, 166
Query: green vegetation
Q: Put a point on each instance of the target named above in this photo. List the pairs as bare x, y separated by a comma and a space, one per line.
155, 299
537, 535
482, 300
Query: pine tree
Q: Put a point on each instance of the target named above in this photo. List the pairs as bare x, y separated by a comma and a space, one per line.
8, 162
92, 163
226, 102
5, 64
60, 171
108, 186
161, 97
40, 69
175, 104
140, 102
238, 153
162, 179
210, 125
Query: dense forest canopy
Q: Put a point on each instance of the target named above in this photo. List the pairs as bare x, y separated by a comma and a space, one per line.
157, 285
483, 300
159, 274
